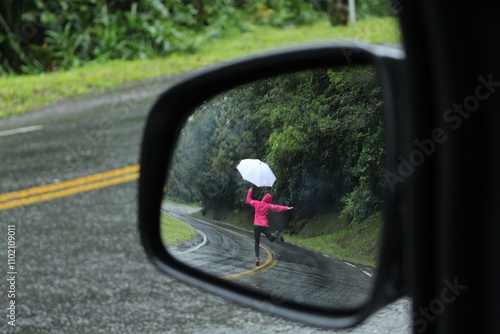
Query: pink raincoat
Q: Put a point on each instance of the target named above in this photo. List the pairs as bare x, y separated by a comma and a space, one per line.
262, 208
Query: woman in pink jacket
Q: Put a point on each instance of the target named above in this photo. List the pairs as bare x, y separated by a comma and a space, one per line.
260, 223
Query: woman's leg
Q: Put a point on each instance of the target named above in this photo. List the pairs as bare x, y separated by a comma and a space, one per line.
256, 232
269, 235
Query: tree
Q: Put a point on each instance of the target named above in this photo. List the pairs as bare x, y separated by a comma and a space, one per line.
338, 12
321, 132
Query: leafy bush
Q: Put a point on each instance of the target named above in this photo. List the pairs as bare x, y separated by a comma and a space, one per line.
60, 34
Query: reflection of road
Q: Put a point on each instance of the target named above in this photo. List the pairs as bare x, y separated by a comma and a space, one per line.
287, 270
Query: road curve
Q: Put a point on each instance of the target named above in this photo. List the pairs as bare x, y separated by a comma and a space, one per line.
287, 271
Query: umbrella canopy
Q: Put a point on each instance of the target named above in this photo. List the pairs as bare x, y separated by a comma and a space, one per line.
256, 172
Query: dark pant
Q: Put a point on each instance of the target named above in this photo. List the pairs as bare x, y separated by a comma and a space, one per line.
257, 230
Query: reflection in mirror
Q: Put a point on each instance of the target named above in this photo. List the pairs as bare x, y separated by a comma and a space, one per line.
321, 134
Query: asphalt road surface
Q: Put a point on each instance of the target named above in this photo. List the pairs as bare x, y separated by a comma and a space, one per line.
78, 266
286, 271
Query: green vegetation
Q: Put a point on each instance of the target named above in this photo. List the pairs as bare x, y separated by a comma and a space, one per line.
333, 235
320, 131
19, 94
50, 35
173, 231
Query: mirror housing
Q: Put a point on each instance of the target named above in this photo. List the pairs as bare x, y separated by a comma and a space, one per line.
164, 125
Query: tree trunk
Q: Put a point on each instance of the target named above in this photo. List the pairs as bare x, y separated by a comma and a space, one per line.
338, 12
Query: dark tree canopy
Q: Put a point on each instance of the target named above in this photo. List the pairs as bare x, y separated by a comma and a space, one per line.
320, 131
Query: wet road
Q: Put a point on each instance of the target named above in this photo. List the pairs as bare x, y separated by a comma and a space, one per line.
286, 271
79, 267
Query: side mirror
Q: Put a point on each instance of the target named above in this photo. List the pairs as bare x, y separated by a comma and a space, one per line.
323, 118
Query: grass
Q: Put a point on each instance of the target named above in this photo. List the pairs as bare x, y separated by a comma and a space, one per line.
169, 201
332, 235
174, 231
242, 218
20, 94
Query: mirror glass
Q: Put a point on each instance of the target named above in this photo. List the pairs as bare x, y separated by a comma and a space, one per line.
312, 140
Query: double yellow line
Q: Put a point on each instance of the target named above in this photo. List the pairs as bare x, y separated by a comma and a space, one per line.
67, 188
270, 262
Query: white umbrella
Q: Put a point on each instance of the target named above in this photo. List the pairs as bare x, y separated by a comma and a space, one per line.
256, 172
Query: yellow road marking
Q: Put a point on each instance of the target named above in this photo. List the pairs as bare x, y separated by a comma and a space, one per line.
252, 272
67, 188
270, 262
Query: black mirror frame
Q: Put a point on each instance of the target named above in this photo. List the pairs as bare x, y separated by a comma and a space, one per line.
163, 127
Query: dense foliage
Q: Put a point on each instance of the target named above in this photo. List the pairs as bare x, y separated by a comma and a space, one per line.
49, 35
320, 131
59, 34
